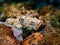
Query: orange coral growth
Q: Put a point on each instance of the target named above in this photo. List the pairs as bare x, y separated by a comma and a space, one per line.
33, 38
6, 36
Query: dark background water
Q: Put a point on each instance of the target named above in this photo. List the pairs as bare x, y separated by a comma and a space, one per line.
36, 3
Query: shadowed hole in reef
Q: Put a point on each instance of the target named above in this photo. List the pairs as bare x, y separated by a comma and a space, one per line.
26, 32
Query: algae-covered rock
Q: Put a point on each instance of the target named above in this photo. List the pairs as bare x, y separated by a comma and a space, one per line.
45, 9
55, 20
